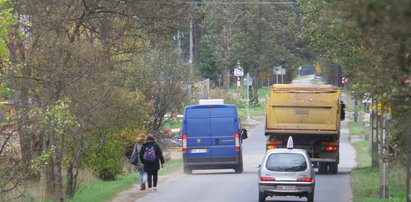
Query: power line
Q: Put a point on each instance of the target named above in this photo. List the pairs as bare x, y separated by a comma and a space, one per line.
243, 3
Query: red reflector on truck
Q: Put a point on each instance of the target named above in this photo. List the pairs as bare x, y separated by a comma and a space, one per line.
331, 148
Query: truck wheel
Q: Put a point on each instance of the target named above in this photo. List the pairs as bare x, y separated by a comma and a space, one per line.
261, 197
239, 168
333, 168
187, 170
322, 168
310, 197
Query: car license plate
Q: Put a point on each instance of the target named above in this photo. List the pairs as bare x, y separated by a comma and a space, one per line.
286, 188
199, 151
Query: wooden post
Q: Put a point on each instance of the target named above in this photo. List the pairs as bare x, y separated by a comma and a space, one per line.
407, 132
374, 135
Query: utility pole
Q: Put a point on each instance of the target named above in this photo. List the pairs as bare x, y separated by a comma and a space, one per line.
178, 46
191, 41
407, 132
191, 49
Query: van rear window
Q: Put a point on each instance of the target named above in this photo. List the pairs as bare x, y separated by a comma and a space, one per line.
286, 162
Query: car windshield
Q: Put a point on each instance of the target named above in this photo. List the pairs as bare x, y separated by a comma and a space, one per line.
286, 162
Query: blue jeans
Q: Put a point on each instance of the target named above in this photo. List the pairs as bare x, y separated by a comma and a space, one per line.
142, 176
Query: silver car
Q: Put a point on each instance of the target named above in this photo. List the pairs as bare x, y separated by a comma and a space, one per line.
286, 172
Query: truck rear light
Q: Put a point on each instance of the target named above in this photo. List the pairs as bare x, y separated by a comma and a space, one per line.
184, 138
237, 141
267, 179
331, 148
268, 147
305, 179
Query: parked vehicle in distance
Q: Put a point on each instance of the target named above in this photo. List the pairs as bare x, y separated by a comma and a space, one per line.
286, 172
212, 138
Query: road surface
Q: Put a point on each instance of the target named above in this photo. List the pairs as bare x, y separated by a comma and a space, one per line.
225, 185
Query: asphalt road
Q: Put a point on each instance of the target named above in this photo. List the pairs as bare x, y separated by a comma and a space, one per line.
226, 186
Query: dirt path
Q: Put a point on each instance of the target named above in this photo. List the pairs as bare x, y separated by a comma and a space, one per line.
134, 193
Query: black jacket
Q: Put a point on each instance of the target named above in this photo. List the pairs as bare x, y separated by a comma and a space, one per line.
159, 157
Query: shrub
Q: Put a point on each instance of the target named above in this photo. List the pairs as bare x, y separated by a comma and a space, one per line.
220, 94
105, 160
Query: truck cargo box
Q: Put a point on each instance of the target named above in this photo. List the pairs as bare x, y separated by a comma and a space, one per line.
293, 108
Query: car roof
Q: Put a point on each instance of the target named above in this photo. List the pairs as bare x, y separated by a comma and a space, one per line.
205, 106
294, 151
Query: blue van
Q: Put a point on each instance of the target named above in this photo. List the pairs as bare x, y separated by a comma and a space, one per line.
212, 137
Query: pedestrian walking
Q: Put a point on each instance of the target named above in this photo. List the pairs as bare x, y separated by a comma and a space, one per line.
151, 156
137, 163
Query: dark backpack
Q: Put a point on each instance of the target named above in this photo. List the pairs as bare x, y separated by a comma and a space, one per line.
149, 154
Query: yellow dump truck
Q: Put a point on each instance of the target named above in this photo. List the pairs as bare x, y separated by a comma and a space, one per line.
311, 114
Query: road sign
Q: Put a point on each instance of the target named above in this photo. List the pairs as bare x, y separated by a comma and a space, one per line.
279, 70
238, 72
343, 80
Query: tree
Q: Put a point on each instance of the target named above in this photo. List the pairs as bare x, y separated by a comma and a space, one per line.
260, 37
163, 82
370, 40
68, 51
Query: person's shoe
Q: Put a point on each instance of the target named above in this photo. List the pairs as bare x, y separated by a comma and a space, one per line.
143, 187
150, 190
155, 189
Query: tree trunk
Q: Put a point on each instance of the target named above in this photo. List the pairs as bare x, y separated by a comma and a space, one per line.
408, 157
258, 51
74, 165
53, 168
58, 179
226, 71
22, 85
254, 94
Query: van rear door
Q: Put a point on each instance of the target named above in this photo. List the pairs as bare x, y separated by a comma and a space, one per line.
198, 127
224, 124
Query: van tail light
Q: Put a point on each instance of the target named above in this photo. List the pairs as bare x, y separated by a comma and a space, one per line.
184, 137
237, 141
267, 179
305, 179
331, 148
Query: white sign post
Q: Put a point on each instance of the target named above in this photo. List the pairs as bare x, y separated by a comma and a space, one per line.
279, 71
248, 82
238, 72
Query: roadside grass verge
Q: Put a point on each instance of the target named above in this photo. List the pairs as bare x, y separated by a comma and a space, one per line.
366, 180
356, 128
103, 190
315, 82
254, 111
173, 123
302, 77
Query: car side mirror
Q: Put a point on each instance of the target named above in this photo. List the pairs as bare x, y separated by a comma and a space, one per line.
244, 134
258, 165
